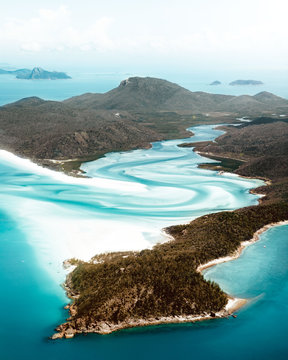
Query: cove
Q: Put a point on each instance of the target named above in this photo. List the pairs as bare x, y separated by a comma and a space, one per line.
48, 217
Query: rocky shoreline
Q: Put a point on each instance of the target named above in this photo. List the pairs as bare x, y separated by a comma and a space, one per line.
69, 330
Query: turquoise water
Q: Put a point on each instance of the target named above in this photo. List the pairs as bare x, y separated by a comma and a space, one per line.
47, 217
33, 304
130, 198
33, 299
12, 89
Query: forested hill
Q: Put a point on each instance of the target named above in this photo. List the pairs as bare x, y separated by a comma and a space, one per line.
138, 111
121, 290
151, 94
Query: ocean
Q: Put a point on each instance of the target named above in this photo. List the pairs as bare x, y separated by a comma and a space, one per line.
47, 217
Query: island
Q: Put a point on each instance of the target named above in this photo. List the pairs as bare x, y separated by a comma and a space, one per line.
245, 82
36, 74
216, 82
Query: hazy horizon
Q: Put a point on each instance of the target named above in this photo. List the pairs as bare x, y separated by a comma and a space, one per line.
165, 36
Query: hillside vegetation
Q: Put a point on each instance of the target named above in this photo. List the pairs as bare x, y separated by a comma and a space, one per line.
262, 145
137, 112
164, 281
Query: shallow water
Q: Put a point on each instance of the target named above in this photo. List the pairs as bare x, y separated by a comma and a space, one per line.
131, 197
47, 217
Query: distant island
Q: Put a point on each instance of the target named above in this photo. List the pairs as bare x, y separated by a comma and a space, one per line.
246, 82
36, 74
216, 82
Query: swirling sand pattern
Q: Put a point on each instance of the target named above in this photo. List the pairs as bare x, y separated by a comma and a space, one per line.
129, 199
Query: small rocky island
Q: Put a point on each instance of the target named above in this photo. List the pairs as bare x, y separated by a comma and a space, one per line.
216, 82
36, 74
246, 82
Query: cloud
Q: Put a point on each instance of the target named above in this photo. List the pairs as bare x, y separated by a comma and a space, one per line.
245, 32
54, 30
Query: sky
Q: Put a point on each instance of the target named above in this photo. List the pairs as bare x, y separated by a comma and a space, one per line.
203, 34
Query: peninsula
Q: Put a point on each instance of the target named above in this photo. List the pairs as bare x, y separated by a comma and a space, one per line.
162, 285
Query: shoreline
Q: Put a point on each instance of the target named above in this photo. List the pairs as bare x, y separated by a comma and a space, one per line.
105, 328
210, 155
207, 154
237, 303
253, 191
243, 245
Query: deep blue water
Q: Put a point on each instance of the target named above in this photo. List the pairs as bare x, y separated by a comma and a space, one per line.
40, 213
